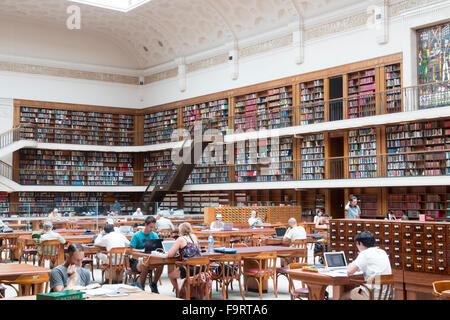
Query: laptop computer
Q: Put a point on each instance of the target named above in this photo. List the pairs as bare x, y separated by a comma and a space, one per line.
280, 232
228, 226
167, 245
335, 261
152, 245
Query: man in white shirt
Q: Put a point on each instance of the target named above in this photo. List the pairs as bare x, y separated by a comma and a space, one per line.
253, 220
138, 213
218, 224
372, 261
110, 239
294, 232
163, 223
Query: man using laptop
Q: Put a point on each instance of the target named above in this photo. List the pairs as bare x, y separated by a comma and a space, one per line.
138, 243
371, 261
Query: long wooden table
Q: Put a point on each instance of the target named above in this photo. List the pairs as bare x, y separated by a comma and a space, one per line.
142, 295
12, 271
318, 282
225, 236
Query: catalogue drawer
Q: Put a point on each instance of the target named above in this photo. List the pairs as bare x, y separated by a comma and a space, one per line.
428, 228
430, 260
418, 235
407, 235
419, 251
342, 238
368, 227
351, 232
440, 261
418, 243
408, 258
440, 245
333, 224
386, 227
342, 224
351, 240
439, 228
397, 242
408, 250
377, 233
387, 242
440, 253
428, 244
407, 228
377, 242
418, 228
430, 268
396, 234
333, 237
408, 243
377, 226
419, 267
341, 231
439, 237
409, 266
359, 226
397, 264
396, 249
441, 269
341, 246
419, 259
396, 227
386, 234
429, 236
333, 230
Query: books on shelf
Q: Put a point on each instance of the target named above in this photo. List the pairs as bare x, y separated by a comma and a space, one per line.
362, 146
159, 126
53, 167
270, 109
312, 96
313, 157
4, 204
264, 160
76, 127
361, 94
393, 88
216, 111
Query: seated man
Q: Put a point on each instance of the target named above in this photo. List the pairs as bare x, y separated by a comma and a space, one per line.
371, 261
55, 213
163, 223
218, 223
253, 221
138, 243
49, 234
70, 274
294, 232
323, 223
138, 213
110, 239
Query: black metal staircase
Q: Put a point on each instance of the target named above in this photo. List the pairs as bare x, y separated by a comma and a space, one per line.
176, 175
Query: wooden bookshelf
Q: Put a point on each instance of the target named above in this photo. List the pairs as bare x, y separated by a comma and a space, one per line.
216, 111
361, 94
160, 162
212, 168
311, 95
76, 127
159, 126
362, 145
414, 148
4, 204
393, 84
270, 109
313, 157
264, 160
195, 202
53, 167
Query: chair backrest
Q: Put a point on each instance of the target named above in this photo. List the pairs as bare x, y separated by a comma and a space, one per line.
386, 287
165, 233
438, 287
300, 255
258, 240
229, 267
294, 265
266, 261
299, 243
198, 276
30, 284
50, 250
117, 258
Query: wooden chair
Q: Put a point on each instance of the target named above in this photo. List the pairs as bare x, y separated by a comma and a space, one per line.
50, 250
130, 275
385, 283
258, 240
228, 268
89, 260
266, 269
298, 257
300, 292
8, 245
441, 290
117, 263
28, 249
29, 284
198, 279
165, 233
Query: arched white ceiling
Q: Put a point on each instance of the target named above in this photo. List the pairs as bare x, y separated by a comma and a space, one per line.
174, 28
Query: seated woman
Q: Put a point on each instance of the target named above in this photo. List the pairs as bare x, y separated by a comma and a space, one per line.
323, 223
187, 246
253, 221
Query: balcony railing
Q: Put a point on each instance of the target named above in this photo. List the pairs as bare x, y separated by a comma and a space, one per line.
421, 97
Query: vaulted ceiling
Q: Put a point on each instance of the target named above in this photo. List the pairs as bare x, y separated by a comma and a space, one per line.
162, 30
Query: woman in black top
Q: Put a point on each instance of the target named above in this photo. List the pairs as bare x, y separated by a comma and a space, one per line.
187, 247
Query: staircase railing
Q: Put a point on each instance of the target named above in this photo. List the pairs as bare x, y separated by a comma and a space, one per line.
6, 170
9, 137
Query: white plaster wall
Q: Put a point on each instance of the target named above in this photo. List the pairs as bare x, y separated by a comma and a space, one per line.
6, 122
45, 88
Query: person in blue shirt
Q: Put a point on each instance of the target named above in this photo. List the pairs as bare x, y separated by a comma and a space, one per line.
137, 243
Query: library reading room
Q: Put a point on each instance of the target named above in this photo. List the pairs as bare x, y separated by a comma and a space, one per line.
224, 150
